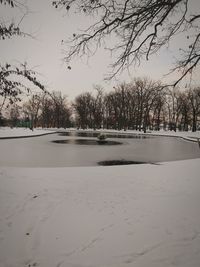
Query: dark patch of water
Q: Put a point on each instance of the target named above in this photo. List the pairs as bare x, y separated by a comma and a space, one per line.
109, 135
87, 142
119, 162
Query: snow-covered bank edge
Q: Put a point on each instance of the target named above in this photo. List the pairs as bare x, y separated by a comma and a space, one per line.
8, 133
121, 216
189, 136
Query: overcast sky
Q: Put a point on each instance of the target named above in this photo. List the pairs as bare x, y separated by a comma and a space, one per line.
49, 27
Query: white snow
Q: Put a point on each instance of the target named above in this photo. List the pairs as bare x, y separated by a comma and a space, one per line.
134, 215
23, 132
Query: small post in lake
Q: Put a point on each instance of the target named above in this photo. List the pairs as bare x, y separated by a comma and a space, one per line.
101, 138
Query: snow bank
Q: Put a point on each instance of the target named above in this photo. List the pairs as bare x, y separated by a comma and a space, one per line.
6, 132
141, 216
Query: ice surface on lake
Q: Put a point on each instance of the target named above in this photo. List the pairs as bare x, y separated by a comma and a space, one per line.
42, 152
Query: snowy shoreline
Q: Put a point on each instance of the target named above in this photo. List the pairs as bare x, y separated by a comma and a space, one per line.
8, 133
193, 136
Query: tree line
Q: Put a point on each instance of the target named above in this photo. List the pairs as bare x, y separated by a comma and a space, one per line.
41, 110
141, 105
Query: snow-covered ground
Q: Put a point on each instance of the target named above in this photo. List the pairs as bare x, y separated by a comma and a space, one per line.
6, 132
136, 215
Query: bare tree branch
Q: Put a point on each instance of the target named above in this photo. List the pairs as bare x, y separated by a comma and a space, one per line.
139, 28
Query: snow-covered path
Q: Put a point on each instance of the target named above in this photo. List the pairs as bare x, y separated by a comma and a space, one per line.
141, 216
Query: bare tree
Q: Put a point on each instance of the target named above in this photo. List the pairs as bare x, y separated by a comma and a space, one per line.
185, 111
194, 100
110, 113
121, 107
115, 108
54, 110
139, 27
132, 105
158, 110
46, 117
173, 102
11, 29
12, 85
32, 108
61, 111
98, 107
83, 106
14, 114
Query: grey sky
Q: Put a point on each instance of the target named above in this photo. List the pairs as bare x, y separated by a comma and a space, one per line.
44, 52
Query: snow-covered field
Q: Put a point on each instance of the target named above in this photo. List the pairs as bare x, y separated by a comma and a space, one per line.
6, 132
136, 215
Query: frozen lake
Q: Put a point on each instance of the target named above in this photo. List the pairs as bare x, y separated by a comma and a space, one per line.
43, 151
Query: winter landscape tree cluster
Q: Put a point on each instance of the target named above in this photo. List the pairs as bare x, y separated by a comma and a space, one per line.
41, 110
142, 104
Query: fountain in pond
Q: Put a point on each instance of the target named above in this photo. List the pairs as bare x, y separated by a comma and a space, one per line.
101, 139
